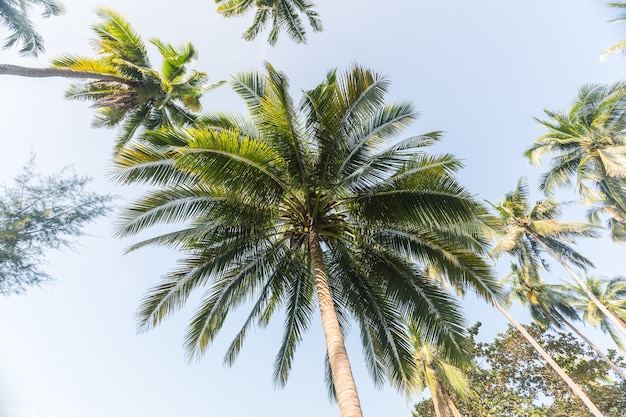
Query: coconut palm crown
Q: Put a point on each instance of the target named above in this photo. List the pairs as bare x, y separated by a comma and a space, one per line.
14, 15
307, 207
587, 144
284, 15
143, 97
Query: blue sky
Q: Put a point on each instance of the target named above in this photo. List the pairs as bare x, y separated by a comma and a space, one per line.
480, 71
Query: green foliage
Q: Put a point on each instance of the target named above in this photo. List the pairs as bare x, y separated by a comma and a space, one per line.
14, 15
246, 196
144, 98
588, 147
508, 378
284, 15
39, 213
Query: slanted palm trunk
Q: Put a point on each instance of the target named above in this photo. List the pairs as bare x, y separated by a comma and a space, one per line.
6, 69
345, 388
570, 383
619, 325
593, 346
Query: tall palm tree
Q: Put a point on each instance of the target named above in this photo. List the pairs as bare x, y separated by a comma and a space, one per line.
532, 231
551, 306
311, 207
440, 377
612, 294
122, 84
283, 14
14, 15
589, 146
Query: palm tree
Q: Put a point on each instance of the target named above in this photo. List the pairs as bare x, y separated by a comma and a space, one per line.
525, 233
122, 84
576, 390
14, 16
621, 45
283, 15
588, 145
531, 231
440, 377
307, 207
551, 306
612, 294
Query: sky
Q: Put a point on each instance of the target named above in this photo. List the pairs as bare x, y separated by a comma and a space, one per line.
479, 71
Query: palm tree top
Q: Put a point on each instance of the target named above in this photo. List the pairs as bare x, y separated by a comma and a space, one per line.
524, 227
14, 15
257, 198
282, 15
144, 97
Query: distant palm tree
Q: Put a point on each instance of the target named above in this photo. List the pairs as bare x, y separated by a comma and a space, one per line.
283, 15
552, 306
122, 84
311, 207
14, 15
588, 145
440, 377
525, 233
619, 47
612, 294
531, 231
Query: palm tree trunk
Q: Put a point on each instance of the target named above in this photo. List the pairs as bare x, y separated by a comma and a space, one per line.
570, 383
7, 69
616, 321
606, 359
345, 388
452, 408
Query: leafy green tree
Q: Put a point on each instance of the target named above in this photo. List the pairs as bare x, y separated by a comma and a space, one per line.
509, 378
283, 15
311, 207
588, 146
122, 84
14, 15
37, 214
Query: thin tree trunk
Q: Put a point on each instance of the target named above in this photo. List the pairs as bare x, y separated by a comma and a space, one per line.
570, 383
453, 409
606, 359
616, 322
7, 69
345, 388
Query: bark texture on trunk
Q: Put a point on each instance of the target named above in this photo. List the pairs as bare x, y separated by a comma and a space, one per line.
576, 390
7, 69
345, 388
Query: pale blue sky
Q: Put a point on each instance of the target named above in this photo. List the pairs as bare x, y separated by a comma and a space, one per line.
477, 70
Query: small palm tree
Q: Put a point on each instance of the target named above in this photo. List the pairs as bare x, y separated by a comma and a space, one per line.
552, 306
588, 146
612, 294
311, 207
283, 14
14, 15
440, 377
531, 231
122, 84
